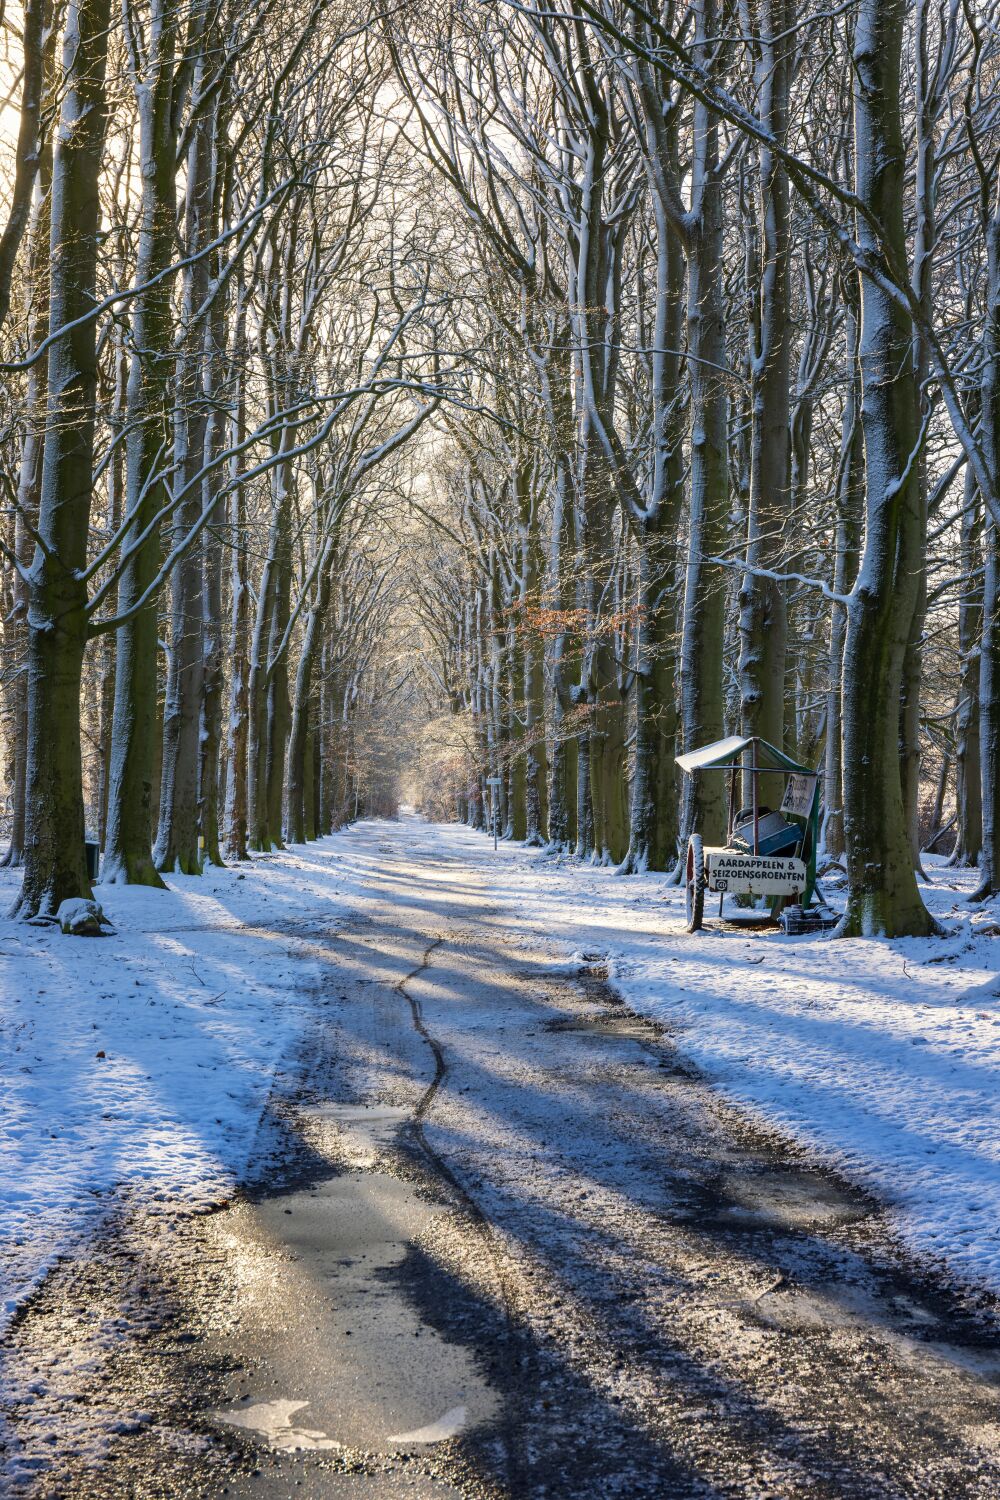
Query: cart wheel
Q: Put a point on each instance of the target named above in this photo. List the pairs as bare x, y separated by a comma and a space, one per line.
694, 890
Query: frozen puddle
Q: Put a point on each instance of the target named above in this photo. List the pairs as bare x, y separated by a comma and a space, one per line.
790, 1199
360, 1129
336, 1354
449, 1426
272, 1420
608, 1025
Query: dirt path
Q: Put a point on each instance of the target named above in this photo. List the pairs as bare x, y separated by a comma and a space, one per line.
517, 1248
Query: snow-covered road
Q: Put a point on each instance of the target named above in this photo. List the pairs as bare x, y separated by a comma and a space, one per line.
511, 1242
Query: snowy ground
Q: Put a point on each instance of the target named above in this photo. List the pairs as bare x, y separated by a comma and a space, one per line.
506, 1241
884, 1056
139, 1063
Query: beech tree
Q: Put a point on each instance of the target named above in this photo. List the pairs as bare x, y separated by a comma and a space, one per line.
54, 867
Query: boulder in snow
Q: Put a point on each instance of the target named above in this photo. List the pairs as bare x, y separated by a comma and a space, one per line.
80, 918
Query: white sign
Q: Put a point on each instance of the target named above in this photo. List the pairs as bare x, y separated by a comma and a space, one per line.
764, 874
494, 781
798, 798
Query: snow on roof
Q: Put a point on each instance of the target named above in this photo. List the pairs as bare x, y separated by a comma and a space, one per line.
719, 751
723, 753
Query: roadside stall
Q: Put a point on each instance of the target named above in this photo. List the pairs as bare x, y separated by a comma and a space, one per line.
768, 862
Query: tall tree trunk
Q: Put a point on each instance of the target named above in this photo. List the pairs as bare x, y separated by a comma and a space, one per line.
654, 830
211, 779
535, 761
883, 899
327, 741
596, 292
278, 705
989, 713
177, 836
15, 634
237, 733
608, 758
54, 860
263, 692
128, 857
107, 693
850, 507
989, 651
968, 774
654, 825
925, 115
209, 768
763, 618
516, 624
705, 587
300, 735
561, 589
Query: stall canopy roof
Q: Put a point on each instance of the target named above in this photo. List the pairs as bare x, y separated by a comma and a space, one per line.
725, 752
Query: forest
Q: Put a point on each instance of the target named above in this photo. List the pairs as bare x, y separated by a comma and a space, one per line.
412, 400
500, 658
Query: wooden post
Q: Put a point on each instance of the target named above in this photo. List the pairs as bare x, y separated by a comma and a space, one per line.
755, 784
729, 821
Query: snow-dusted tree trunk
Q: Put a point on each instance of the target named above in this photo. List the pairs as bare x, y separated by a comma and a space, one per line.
213, 631
654, 827
883, 897
986, 458
299, 741
268, 667
327, 794
850, 506
480, 797
236, 809
334, 701
763, 615
128, 856
278, 701
989, 650
29, 481
477, 800
54, 862
498, 721
708, 507
560, 588
932, 61
177, 836
653, 824
989, 712
655, 518
115, 501
968, 774
535, 757
514, 629
602, 795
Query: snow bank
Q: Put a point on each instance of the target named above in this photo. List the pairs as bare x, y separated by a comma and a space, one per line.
885, 1057
141, 1062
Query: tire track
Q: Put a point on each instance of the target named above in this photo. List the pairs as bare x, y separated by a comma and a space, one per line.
512, 1425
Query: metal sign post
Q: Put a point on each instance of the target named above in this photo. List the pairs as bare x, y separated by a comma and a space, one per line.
494, 783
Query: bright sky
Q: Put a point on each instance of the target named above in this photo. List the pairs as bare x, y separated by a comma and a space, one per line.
10, 65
